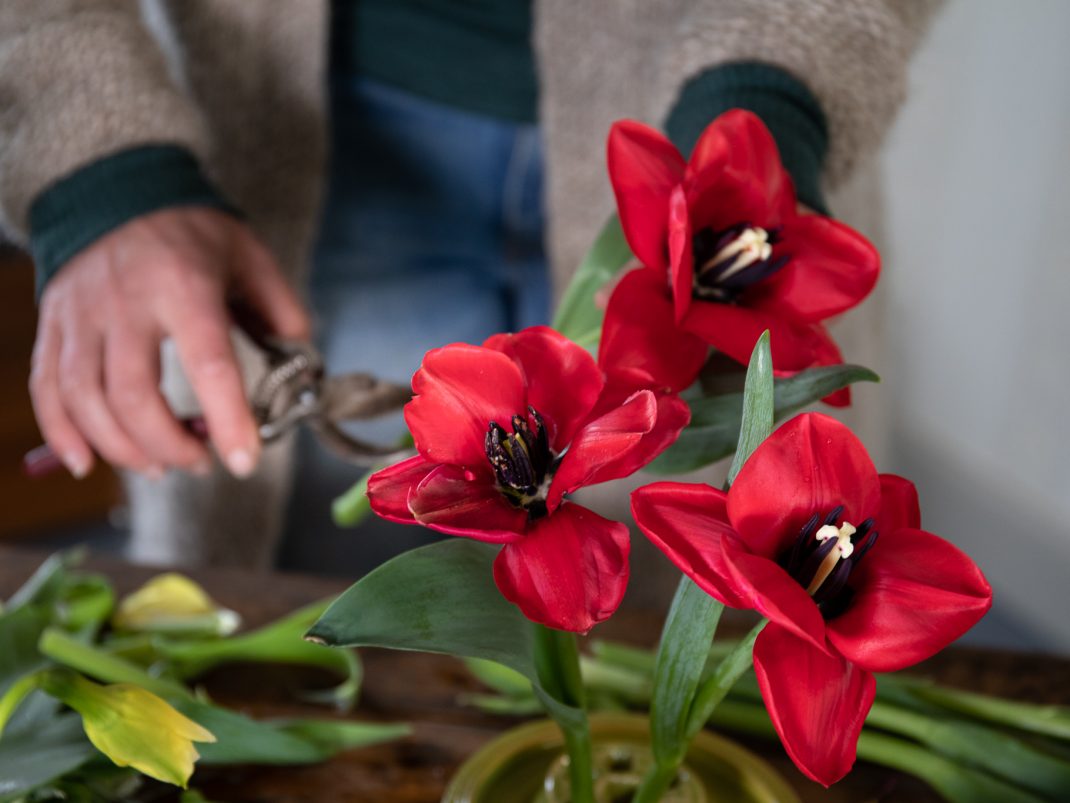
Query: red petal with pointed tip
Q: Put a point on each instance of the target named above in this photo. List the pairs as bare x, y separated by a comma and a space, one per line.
688, 523
452, 501
811, 464
900, 507
914, 593
818, 702
681, 255
570, 570
734, 330
550, 363
640, 332
735, 175
831, 269
620, 442
643, 168
603, 448
388, 489
459, 390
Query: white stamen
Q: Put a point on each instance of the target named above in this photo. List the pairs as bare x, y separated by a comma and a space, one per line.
752, 245
843, 550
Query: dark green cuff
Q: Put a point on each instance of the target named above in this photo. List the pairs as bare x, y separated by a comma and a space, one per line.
790, 111
87, 204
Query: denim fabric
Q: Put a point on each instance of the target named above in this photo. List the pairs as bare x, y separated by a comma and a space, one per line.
432, 234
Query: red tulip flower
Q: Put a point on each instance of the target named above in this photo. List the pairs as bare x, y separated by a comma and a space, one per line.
796, 538
503, 432
726, 255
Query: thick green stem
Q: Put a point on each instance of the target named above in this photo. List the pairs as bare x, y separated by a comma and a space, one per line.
96, 663
557, 661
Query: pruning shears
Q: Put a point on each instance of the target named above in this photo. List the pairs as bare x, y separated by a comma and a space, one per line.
296, 390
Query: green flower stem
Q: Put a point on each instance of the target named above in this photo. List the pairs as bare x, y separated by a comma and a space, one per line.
16, 693
1047, 720
353, 506
718, 685
682, 651
557, 661
106, 668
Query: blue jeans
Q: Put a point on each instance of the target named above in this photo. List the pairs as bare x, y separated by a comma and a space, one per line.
432, 234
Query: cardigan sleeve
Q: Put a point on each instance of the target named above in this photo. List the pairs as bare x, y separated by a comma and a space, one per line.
82, 80
852, 57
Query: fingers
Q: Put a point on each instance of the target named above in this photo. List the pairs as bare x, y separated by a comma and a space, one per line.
58, 430
261, 286
201, 331
132, 377
81, 388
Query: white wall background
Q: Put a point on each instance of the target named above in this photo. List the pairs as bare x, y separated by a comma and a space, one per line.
977, 300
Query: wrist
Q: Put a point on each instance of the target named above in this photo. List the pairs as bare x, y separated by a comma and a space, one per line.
89, 203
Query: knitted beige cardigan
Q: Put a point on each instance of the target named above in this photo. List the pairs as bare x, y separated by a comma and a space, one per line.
241, 83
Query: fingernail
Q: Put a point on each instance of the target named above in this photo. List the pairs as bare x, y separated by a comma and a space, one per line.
76, 464
241, 463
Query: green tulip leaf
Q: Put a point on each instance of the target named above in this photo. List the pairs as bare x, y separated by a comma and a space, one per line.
715, 420
579, 317
38, 750
440, 598
282, 642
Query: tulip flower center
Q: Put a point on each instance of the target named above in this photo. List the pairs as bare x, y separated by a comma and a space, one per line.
523, 461
823, 556
727, 261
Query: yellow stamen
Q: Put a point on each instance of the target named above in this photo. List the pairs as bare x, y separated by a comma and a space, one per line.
752, 245
841, 551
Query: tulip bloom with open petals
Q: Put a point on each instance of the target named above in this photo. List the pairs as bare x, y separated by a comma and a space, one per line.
796, 538
726, 255
503, 432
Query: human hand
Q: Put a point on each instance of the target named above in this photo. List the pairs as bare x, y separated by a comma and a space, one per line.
96, 361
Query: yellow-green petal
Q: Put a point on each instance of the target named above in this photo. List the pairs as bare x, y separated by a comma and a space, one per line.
135, 728
172, 602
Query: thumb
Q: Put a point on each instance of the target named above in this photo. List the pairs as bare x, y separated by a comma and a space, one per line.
260, 286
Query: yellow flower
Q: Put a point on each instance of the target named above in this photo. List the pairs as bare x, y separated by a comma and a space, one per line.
174, 603
133, 727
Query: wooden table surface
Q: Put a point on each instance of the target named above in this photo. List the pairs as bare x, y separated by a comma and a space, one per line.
422, 690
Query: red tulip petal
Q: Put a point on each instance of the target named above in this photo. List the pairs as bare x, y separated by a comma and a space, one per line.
818, 702
643, 168
459, 390
688, 522
453, 501
551, 363
569, 571
640, 332
761, 584
811, 464
831, 269
681, 254
388, 489
915, 593
734, 330
620, 442
735, 175
899, 504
